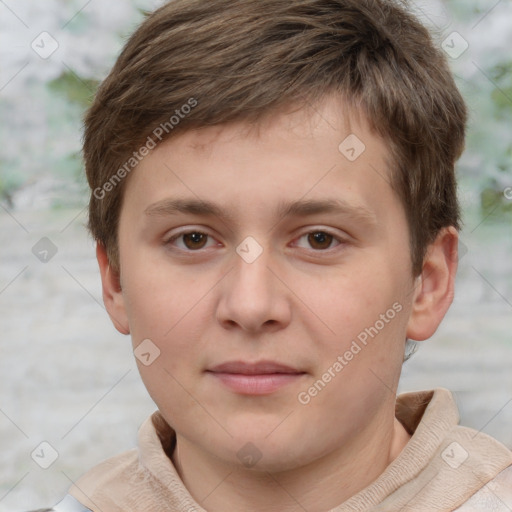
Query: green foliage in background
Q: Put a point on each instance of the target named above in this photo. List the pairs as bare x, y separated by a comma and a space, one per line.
76, 89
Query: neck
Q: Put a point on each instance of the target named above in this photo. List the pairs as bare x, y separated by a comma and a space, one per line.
337, 476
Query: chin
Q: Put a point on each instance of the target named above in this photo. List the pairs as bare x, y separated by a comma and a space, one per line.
267, 449
275, 459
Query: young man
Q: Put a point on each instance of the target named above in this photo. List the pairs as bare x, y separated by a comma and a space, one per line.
274, 201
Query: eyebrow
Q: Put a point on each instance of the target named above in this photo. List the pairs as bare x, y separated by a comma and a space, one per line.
300, 208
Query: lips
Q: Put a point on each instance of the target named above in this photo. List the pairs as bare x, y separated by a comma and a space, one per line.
261, 378
259, 368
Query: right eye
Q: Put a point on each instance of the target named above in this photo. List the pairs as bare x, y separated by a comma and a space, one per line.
192, 240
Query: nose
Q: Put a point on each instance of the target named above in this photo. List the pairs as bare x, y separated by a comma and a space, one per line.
253, 298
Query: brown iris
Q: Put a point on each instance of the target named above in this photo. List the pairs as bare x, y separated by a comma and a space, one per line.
195, 240
320, 240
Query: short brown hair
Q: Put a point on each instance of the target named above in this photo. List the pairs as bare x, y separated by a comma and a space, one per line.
242, 59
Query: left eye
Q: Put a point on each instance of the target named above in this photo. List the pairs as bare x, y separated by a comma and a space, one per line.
319, 240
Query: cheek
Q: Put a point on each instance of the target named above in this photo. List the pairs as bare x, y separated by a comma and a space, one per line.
361, 311
344, 298
177, 323
159, 298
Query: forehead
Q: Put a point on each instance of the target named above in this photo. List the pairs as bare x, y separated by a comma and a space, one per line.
324, 151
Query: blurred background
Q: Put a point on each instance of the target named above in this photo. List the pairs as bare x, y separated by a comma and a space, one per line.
67, 378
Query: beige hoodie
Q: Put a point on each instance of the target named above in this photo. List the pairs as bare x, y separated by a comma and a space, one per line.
443, 467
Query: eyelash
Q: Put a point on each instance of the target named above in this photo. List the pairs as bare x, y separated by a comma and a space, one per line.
335, 238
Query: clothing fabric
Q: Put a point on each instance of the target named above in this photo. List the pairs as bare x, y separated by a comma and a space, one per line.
444, 467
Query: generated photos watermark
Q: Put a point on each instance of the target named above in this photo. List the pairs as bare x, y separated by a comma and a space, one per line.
151, 142
361, 341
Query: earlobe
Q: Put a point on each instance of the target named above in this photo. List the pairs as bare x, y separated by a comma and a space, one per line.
112, 294
434, 288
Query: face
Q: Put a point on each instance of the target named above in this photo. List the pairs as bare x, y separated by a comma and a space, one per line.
270, 269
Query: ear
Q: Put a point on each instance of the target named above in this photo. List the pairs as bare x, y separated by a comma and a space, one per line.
112, 294
434, 288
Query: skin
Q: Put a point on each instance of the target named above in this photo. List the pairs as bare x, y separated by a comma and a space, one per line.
301, 303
